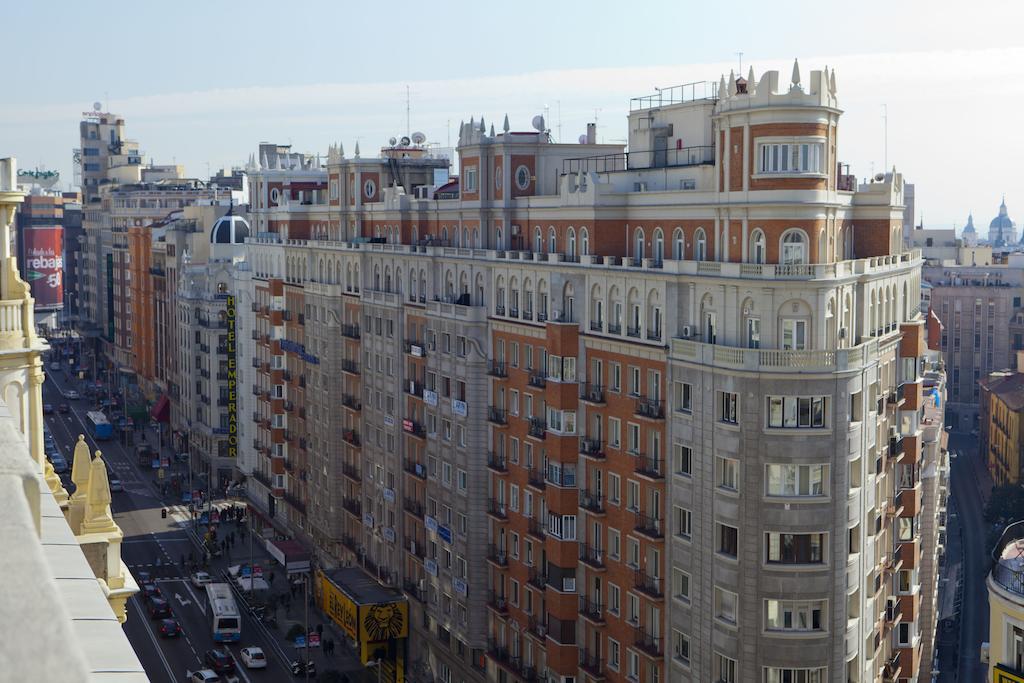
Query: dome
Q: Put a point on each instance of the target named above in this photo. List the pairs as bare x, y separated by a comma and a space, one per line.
970, 223
1002, 221
229, 229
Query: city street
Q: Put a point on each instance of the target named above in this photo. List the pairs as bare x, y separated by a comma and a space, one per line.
160, 546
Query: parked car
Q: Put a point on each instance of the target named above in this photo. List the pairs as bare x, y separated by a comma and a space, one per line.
169, 628
47, 409
63, 408
72, 395
202, 676
253, 658
143, 577
219, 661
200, 579
159, 609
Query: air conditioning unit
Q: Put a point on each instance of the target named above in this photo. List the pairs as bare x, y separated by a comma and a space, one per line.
516, 229
687, 331
842, 333
422, 192
639, 187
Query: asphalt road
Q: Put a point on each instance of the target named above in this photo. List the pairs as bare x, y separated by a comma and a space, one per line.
150, 539
968, 478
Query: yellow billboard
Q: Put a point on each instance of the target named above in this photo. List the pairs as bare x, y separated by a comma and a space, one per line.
1001, 674
384, 621
339, 607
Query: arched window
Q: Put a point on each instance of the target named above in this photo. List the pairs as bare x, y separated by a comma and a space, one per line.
497, 235
376, 277
552, 241
794, 247
415, 234
444, 234
584, 242
659, 246
465, 237
570, 245
677, 244
638, 240
537, 244
700, 245
757, 247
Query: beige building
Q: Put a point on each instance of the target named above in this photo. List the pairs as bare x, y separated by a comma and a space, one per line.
61, 552
1006, 608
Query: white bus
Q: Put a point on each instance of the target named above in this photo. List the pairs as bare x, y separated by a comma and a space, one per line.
227, 625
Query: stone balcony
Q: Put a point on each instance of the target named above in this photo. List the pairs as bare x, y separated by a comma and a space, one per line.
777, 360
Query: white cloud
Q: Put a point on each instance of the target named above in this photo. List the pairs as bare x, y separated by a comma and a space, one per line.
950, 127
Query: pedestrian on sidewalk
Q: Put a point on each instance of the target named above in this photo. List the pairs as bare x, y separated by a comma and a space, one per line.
271, 578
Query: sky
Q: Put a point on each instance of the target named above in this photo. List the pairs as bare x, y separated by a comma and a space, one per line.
203, 83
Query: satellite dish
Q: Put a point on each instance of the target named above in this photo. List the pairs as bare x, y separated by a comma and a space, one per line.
538, 123
97, 106
418, 138
583, 139
879, 177
405, 141
392, 141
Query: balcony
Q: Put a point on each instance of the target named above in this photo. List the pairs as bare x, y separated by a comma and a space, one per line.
351, 402
351, 437
652, 468
591, 611
414, 507
416, 469
648, 525
538, 379
351, 472
538, 428
412, 589
591, 556
350, 542
647, 643
646, 584
654, 335
562, 631
592, 393
350, 331
413, 428
596, 325
222, 350
497, 416
350, 366
592, 502
295, 502
592, 665
496, 369
496, 463
537, 578
1006, 572
536, 479
353, 506
633, 332
536, 529
591, 448
497, 556
650, 408
498, 603
414, 388
262, 478
415, 348
892, 669
496, 510
614, 328
289, 406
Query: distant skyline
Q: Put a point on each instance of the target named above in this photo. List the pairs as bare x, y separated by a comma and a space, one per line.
207, 84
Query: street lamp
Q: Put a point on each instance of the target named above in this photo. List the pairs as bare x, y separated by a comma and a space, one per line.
380, 669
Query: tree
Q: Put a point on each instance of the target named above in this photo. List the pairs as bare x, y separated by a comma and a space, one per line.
1005, 505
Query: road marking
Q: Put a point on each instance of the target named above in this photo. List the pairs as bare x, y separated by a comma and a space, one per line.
198, 603
182, 601
239, 669
152, 638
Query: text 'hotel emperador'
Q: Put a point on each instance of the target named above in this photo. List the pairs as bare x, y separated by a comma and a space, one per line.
655, 415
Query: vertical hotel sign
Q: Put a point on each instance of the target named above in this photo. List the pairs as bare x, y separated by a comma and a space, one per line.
232, 380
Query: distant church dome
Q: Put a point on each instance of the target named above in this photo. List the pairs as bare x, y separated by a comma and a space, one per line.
229, 229
1002, 230
970, 235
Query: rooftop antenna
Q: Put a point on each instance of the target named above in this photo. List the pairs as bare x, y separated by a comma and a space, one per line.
885, 133
408, 128
559, 103
596, 127
740, 55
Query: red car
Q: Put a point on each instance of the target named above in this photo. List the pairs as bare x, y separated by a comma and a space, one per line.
159, 609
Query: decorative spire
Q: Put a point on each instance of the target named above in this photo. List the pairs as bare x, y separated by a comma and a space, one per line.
482, 128
795, 83
264, 164
357, 149
97, 513
505, 126
80, 469
832, 83
732, 83
492, 130
722, 93
341, 150
750, 81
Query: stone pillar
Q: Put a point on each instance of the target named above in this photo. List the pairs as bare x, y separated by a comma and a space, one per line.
100, 539
80, 467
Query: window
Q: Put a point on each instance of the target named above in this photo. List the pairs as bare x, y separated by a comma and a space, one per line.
728, 412
523, 178
795, 615
614, 432
680, 584
903, 633
682, 459
614, 488
726, 603
632, 665
794, 335
795, 480
682, 522
725, 669
774, 674
614, 543
727, 474
684, 398
632, 495
614, 599
728, 539
562, 526
615, 377
634, 380
790, 157
793, 412
469, 177
681, 647
795, 548
633, 438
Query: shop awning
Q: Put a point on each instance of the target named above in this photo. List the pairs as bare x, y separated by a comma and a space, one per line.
291, 554
161, 412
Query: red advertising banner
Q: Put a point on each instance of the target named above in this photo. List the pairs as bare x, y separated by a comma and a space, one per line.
44, 265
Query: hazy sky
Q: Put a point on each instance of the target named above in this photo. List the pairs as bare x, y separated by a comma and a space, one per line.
202, 83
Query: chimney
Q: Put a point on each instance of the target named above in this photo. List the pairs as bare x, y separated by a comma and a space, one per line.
591, 133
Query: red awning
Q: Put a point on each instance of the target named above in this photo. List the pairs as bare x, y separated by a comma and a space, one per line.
161, 412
